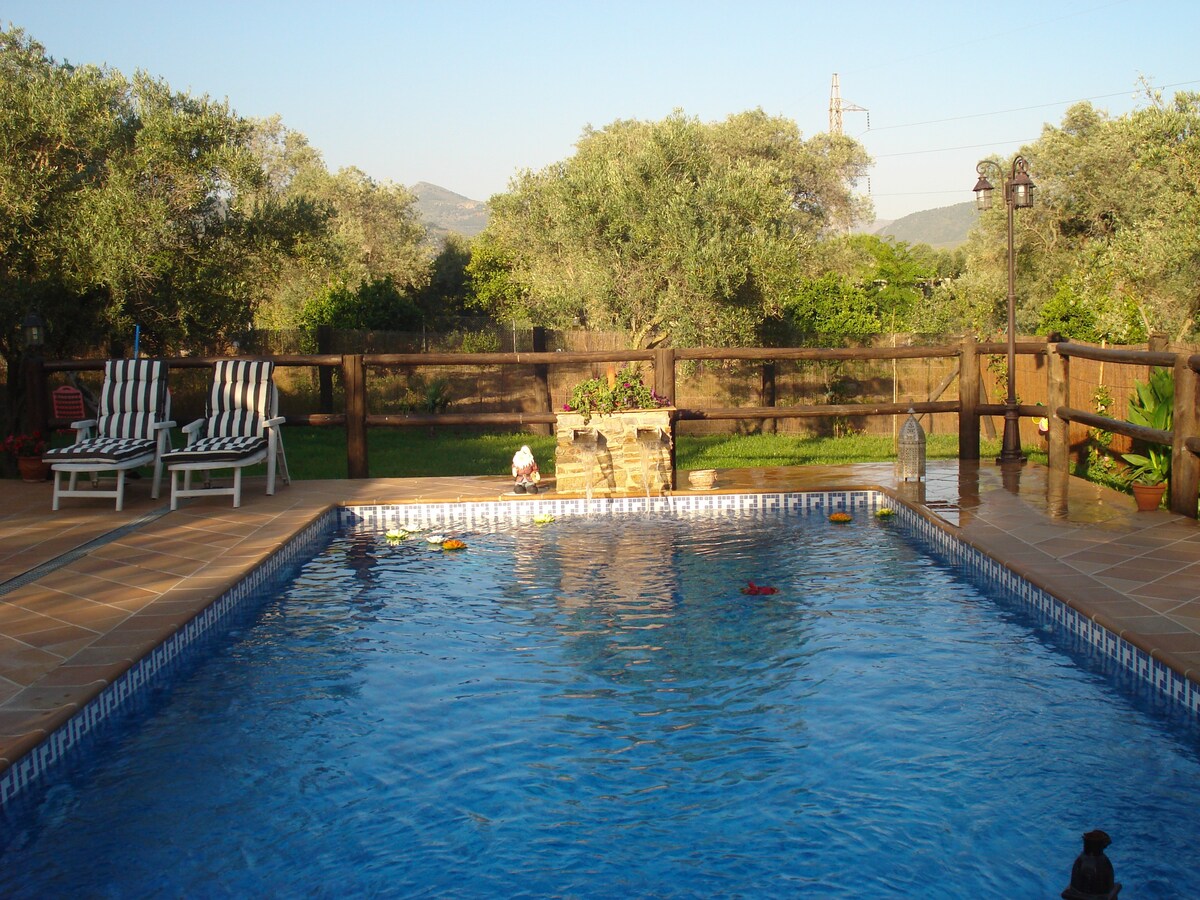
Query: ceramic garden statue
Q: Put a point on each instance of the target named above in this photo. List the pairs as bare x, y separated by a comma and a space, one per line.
525, 471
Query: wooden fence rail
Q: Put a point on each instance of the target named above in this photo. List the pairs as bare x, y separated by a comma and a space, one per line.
356, 372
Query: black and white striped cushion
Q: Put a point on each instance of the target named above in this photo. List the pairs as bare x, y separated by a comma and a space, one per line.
217, 449
239, 403
132, 399
101, 450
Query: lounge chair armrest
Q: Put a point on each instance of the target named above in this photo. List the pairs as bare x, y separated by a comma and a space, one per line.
278, 420
159, 426
83, 429
194, 431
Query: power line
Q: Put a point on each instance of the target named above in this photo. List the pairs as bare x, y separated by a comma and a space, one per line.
914, 193
948, 149
1001, 112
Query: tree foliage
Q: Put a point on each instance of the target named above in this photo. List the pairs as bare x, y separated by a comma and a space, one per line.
895, 279
56, 131
832, 307
368, 232
1111, 247
373, 305
123, 203
673, 230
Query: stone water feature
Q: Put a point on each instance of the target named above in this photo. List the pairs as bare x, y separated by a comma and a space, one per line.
625, 453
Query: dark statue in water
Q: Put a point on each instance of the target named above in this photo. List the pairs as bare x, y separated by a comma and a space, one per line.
1092, 874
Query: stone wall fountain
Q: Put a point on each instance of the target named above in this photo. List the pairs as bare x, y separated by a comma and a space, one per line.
619, 454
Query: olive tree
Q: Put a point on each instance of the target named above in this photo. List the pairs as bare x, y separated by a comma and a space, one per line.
675, 231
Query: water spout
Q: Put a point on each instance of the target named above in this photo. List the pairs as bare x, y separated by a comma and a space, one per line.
650, 436
647, 439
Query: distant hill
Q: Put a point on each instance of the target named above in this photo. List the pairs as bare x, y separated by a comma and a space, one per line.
945, 227
444, 211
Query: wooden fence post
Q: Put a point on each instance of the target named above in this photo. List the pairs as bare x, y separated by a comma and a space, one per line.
767, 395
664, 373
968, 399
325, 373
1185, 465
1058, 386
664, 386
541, 382
36, 394
355, 383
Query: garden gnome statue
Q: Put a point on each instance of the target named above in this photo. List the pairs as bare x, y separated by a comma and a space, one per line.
525, 471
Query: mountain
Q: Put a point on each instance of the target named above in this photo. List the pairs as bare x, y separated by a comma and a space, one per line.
945, 227
444, 211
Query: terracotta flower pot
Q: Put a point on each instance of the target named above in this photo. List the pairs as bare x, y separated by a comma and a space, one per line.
33, 469
1148, 496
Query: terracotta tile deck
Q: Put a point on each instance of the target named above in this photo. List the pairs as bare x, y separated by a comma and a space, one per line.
66, 633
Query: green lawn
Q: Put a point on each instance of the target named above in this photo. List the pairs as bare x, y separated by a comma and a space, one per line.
315, 453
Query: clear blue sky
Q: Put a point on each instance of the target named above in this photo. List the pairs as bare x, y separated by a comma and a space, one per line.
466, 94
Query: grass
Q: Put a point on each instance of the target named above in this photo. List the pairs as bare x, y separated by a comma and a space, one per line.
318, 453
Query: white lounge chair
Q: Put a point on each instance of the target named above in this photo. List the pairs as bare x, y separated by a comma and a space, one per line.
131, 429
242, 429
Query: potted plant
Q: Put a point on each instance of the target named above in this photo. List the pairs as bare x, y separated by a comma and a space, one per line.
1149, 475
27, 449
622, 391
1152, 406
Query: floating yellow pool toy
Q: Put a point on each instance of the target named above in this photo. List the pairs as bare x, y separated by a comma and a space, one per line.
885, 512
543, 519
454, 544
840, 517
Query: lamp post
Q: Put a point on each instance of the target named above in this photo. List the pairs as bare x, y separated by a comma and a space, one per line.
33, 336
1018, 194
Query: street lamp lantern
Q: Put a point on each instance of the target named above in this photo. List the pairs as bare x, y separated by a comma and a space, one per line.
1021, 186
983, 194
1018, 194
33, 332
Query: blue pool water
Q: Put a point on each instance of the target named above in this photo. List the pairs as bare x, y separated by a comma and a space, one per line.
593, 709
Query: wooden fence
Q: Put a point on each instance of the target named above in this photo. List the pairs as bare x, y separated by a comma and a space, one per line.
1183, 438
968, 406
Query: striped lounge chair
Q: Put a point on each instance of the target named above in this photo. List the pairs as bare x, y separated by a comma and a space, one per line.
131, 429
242, 429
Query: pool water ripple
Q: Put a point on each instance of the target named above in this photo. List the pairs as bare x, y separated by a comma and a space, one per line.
594, 709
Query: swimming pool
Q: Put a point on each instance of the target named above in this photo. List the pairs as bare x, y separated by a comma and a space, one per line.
593, 708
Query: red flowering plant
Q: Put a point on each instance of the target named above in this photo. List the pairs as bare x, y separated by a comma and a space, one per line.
20, 445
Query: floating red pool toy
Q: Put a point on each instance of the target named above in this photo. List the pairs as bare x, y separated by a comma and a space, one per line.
758, 589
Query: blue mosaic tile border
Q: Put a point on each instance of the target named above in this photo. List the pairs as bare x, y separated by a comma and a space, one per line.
117, 697
1064, 620
482, 516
